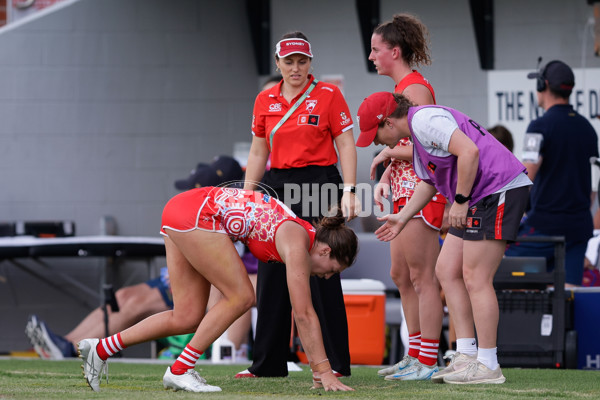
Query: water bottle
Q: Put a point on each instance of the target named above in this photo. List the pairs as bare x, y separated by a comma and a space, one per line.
223, 350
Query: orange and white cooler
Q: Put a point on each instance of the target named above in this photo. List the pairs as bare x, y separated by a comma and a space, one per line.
365, 307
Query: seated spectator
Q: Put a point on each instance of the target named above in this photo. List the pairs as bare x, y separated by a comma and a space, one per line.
136, 302
139, 301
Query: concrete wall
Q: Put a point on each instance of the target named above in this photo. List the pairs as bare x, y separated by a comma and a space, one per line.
104, 103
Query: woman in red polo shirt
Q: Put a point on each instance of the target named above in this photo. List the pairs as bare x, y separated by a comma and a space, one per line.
299, 123
199, 227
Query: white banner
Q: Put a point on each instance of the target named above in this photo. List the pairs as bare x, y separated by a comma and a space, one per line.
512, 100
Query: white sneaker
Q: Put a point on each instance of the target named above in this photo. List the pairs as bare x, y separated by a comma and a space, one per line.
406, 362
93, 366
476, 373
415, 372
190, 381
40, 340
449, 354
30, 332
459, 361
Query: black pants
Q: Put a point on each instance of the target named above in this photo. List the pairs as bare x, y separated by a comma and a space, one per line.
273, 326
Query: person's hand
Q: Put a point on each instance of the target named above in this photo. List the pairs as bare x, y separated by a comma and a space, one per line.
382, 191
392, 227
382, 157
351, 206
445, 221
329, 381
457, 217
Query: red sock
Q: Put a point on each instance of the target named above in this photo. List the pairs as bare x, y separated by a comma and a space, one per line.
110, 346
429, 351
414, 344
186, 360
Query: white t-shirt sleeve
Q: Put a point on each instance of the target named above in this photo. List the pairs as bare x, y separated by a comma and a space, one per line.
433, 128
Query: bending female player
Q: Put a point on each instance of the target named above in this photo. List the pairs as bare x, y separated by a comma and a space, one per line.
455, 155
200, 226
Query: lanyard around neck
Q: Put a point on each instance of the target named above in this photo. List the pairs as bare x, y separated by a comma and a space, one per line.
291, 111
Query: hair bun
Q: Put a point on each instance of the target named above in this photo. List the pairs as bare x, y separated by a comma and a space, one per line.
334, 220
332, 230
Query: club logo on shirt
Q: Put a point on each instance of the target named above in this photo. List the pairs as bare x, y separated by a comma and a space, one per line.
310, 105
275, 107
474, 222
308, 119
473, 210
345, 119
431, 167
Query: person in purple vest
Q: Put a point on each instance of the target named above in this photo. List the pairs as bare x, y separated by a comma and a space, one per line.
488, 188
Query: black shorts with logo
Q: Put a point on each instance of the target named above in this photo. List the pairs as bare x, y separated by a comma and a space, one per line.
495, 217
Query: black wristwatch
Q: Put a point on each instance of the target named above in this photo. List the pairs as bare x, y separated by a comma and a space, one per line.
460, 199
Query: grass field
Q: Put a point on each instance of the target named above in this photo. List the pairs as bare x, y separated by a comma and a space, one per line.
39, 379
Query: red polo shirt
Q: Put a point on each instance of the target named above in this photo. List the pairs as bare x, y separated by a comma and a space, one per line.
306, 138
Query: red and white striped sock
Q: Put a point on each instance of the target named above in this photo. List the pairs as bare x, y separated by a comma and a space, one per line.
186, 360
110, 346
429, 351
414, 344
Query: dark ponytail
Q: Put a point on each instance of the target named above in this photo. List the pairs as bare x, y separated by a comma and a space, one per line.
342, 240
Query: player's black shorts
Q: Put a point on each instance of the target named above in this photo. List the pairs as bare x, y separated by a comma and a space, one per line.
496, 216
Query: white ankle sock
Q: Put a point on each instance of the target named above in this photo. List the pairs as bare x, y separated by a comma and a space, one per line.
488, 357
466, 346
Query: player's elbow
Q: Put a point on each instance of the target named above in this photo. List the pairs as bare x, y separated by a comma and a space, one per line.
473, 152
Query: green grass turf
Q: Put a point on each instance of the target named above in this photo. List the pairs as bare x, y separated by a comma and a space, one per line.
39, 379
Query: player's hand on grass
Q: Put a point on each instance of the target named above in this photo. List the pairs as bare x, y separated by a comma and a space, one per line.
329, 381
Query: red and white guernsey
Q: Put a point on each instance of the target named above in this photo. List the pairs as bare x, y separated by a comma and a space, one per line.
403, 178
244, 215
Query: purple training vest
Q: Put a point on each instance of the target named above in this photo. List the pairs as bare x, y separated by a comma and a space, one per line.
497, 165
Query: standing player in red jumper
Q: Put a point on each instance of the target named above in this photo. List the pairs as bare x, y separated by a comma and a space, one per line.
397, 46
199, 227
